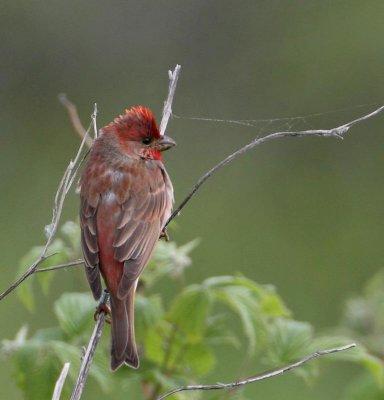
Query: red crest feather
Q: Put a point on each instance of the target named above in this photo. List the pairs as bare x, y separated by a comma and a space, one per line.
136, 122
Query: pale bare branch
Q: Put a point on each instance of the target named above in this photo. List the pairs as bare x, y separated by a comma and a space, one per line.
60, 381
167, 110
259, 377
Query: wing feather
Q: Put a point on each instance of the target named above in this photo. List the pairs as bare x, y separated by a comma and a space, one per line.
90, 246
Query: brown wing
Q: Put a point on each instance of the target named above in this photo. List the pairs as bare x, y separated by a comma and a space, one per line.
90, 246
142, 217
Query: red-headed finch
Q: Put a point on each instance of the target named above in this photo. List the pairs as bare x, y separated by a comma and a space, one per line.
126, 198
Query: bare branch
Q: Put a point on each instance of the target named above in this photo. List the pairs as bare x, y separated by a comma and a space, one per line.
337, 132
167, 110
260, 377
74, 263
51, 229
60, 381
74, 117
89, 353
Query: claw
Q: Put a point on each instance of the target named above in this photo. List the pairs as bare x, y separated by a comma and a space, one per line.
164, 235
103, 308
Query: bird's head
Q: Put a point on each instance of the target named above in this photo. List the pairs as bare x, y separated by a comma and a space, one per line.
138, 134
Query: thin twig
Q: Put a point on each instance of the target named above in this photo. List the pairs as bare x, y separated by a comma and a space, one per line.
259, 377
74, 117
167, 110
89, 353
60, 381
337, 132
51, 229
73, 263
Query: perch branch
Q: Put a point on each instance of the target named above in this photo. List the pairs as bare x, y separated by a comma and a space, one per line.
259, 377
74, 118
167, 110
89, 353
60, 381
337, 132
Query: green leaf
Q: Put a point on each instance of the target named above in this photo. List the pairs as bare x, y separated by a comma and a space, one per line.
363, 388
25, 291
154, 346
99, 368
71, 232
189, 311
34, 368
148, 312
45, 278
74, 312
199, 357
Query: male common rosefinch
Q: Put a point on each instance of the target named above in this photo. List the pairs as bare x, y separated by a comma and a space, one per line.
126, 198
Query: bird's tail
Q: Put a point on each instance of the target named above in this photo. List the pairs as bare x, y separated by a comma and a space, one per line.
123, 347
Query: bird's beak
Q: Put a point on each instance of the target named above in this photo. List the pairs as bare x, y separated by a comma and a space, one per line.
164, 143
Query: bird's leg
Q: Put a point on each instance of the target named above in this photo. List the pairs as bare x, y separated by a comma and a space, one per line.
164, 235
103, 307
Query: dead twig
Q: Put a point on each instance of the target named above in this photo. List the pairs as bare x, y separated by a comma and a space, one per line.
259, 377
74, 118
60, 381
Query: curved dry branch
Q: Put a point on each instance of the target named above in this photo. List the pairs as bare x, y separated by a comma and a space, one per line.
259, 377
337, 132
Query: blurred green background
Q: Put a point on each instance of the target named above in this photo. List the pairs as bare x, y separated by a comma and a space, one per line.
302, 214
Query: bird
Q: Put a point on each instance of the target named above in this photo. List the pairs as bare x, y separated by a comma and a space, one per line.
126, 198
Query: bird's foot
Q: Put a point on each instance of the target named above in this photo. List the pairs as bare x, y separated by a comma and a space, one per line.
164, 235
103, 308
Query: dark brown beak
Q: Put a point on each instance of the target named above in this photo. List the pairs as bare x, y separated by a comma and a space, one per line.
164, 143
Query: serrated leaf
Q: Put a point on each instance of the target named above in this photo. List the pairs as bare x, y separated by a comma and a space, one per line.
288, 340
74, 312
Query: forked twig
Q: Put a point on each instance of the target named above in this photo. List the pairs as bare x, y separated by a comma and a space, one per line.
259, 377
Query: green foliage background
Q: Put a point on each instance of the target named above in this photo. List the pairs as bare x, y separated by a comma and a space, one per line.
303, 215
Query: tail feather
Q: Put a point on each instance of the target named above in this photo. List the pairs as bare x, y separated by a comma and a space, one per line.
123, 347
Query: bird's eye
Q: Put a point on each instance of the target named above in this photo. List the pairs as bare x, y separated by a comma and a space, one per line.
147, 140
